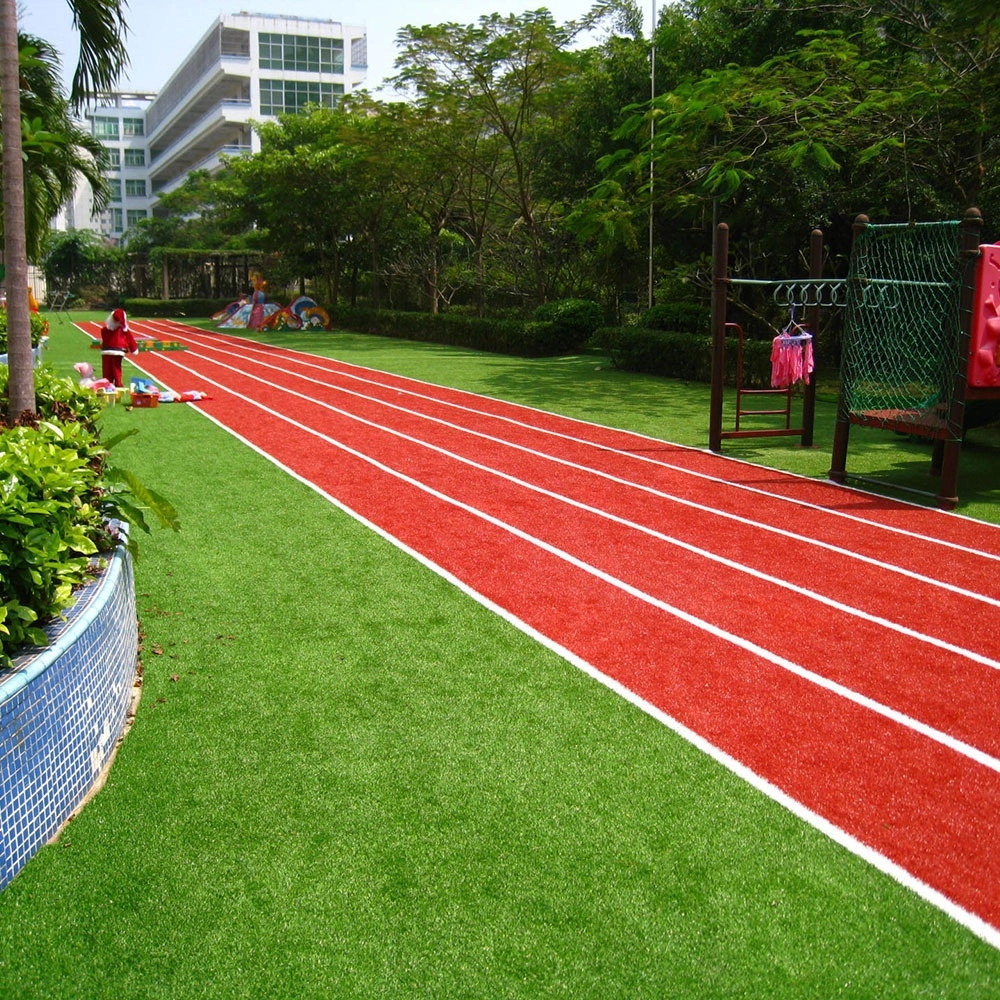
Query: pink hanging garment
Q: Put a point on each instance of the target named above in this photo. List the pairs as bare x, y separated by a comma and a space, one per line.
791, 357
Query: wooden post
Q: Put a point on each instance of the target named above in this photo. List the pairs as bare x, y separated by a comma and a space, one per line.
842, 428
972, 224
812, 321
720, 293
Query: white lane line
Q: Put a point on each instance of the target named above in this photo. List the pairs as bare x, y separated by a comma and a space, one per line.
881, 862
963, 592
808, 505
915, 725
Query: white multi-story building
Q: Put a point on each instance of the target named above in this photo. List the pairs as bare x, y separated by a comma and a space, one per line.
246, 68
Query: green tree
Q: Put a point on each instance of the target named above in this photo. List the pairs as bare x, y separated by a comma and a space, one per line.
508, 72
102, 56
197, 215
886, 114
56, 151
79, 257
301, 194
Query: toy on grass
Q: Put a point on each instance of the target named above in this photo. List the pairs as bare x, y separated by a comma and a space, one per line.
87, 380
252, 314
149, 344
301, 313
189, 396
234, 307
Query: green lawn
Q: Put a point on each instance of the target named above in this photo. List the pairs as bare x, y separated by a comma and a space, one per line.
348, 779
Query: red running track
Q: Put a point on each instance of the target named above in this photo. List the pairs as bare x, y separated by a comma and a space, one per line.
836, 648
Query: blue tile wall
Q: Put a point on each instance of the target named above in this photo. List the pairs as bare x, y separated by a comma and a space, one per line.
63, 708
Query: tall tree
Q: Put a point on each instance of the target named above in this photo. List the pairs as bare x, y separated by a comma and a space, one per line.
56, 150
102, 57
508, 71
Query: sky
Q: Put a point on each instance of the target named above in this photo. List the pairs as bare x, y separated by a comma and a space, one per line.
162, 32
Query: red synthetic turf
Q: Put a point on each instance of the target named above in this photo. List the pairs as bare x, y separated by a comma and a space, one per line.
630, 553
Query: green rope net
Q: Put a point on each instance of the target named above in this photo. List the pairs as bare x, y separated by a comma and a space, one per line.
902, 326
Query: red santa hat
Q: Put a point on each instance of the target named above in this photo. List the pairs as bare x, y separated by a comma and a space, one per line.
117, 319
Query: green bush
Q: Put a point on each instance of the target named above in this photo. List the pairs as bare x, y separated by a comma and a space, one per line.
62, 399
39, 328
535, 338
59, 499
172, 308
575, 320
682, 317
50, 525
683, 355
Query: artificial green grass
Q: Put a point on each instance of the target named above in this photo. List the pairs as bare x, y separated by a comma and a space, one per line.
348, 779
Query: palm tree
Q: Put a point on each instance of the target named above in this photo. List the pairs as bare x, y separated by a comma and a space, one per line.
56, 150
103, 56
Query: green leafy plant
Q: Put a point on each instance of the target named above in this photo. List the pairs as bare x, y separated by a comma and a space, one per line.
49, 528
62, 504
39, 328
575, 320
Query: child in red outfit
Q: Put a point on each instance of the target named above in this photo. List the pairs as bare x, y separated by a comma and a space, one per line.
116, 341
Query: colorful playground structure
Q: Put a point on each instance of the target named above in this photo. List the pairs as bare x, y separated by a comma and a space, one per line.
257, 313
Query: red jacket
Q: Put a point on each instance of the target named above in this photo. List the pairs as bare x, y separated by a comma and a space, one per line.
118, 341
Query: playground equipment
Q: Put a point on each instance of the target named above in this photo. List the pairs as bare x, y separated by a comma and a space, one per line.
249, 314
59, 303
921, 343
258, 314
922, 329
300, 313
809, 294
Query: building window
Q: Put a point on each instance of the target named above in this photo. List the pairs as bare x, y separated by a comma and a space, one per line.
115, 188
135, 188
270, 51
359, 53
132, 126
135, 157
116, 220
106, 128
112, 159
133, 215
301, 53
286, 97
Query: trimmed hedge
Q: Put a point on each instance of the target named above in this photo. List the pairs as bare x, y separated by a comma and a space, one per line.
680, 317
559, 327
681, 355
576, 319
172, 308
532, 338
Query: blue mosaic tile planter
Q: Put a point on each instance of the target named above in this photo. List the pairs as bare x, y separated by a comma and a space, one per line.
63, 708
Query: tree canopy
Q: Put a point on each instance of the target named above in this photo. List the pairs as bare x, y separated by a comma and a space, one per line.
531, 160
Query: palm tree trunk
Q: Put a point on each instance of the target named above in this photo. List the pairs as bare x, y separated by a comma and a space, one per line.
21, 382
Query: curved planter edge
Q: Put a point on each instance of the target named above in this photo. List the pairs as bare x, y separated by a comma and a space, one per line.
63, 709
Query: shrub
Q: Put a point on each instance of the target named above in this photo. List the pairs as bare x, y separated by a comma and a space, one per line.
575, 320
537, 338
170, 308
61, 399
683, 355
39, 328
682, 317
59, 497
50, 525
